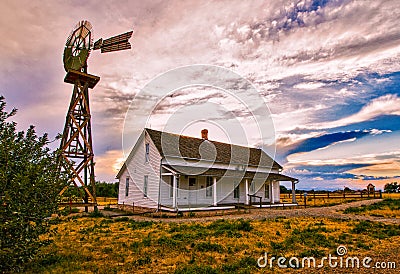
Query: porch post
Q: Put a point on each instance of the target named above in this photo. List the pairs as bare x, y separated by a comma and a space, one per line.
174, 191
214, 191
246, 186
293, 192
272, 192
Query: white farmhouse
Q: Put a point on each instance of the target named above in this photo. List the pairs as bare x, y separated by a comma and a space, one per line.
171, 172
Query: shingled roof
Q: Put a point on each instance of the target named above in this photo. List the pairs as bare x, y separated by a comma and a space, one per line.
167, 145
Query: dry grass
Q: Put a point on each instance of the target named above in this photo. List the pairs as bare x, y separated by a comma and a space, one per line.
322, 199
102, 245
391, 195
104, 201
388, 208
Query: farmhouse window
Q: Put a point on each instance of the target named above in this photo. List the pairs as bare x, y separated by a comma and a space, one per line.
252, 187
236, 192
147, 153
209, 187
266, 191
127, 187
145, 183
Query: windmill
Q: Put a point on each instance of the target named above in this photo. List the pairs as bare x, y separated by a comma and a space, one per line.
76, 147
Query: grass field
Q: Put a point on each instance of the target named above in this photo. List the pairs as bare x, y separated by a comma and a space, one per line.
121, 245
389, 208
334, 198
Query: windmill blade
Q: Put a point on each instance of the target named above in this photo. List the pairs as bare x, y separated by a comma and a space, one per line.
98, 44
115, 43
116, 47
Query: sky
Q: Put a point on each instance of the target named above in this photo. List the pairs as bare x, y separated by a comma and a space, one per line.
329, 72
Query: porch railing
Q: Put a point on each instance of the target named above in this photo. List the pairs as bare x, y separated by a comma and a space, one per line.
255, 196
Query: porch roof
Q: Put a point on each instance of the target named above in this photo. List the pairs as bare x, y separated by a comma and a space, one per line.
198, 171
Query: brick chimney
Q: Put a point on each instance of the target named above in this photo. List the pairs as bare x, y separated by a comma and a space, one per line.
204, 134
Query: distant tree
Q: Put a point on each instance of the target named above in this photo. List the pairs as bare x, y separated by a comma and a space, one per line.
29, 187
347, 189
104, 189
392, 187
284, 189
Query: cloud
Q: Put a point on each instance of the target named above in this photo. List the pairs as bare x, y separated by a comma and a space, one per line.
108, 164
309, 85
385, 105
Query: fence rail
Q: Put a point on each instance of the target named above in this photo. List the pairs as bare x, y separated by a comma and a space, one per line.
319, 199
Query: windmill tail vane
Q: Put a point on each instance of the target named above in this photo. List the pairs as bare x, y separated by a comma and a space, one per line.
115, 43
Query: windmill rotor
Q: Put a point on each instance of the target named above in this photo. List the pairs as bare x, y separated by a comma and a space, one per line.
78, 46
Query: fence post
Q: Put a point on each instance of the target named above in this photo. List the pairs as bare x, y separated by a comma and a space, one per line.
344, 195
380, 194
314, 196
133, 207
305, 199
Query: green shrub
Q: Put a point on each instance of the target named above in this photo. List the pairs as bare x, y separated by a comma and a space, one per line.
167, 242
143, 261
246, 263
208, 246
75, 210
139, 224
30, 182
96, 214
146, 241
121, 219
196, 269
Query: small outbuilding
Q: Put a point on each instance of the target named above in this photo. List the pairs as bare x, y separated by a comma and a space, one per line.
370, 188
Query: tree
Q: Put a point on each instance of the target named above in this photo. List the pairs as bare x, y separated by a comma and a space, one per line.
104, 189
284, 189
392, 187
30, 183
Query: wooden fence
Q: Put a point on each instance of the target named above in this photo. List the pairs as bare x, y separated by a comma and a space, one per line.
313, 198
106, 201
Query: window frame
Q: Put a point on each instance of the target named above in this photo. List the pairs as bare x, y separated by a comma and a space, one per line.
267, 193
236, 192
145, 186
252, 188
209, 186
146, 152
127, 187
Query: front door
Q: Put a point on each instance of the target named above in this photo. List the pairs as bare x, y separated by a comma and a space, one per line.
192, 190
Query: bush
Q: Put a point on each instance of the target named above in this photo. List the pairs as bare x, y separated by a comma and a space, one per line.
208, 246
196, 269
30, 184
139, 224
230, 228
96, 214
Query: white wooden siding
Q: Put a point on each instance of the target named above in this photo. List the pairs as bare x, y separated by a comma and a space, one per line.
136, 169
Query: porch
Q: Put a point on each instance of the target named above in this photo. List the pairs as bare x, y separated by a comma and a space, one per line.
188, 189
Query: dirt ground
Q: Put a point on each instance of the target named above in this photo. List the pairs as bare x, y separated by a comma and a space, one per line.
271, 213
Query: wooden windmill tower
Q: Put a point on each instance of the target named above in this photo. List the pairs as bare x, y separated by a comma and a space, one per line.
77, 154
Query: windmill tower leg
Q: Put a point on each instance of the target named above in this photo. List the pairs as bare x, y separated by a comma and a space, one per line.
77, 154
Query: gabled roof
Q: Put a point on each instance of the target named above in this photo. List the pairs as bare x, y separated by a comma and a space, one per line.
167, 145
